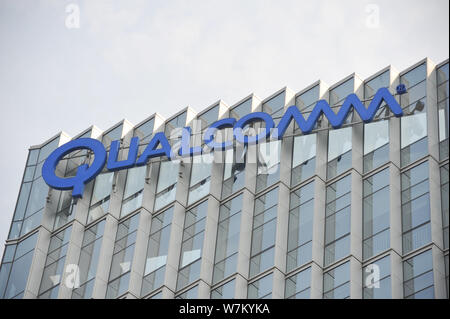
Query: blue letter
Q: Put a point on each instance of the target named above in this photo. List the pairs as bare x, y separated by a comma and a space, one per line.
151, 150
185, 141
113, 164
250, 118
336, 120
84, 172
209, 134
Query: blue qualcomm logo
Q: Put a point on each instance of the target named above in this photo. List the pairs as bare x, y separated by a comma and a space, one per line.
159, 145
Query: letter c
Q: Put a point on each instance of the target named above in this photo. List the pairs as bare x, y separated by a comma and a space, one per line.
250, 118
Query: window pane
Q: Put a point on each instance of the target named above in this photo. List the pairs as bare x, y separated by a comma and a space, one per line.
262, 288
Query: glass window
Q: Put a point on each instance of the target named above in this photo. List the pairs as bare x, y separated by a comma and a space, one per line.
415, 208
337, 220
200, 177
371, 87
446, 261
122, 259
300, 227
242, 109
227, 244
88, 261
414, 126
33, 157
376, 144
192, 293
65, 209
113, 135
377, 279
54, 264
209, 117
443, 109
145, 131
307, 100
444, 203
418, 277
336, 282
338, 96
192, 245
234, 170
47, 149
100, 196
38, 196
261, 288
15, 268
268, 164
173, 127
157, 250
275, 107
167, 183
303, 158
134, 188
226, 291
298, 286
339, 151
263, 234
376, 214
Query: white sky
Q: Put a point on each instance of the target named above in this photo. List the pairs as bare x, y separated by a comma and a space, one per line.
130, 59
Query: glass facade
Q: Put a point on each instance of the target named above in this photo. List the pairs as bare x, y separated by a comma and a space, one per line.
261, 288
337, 220
54, 264
414, 141
225, 291
227, 243
443, 112
305, 102
33, 193
303, 158
356, 212
88, 261
15, 267
336, 282
376, 217
119, 275
377, 279
339, 151
157, 250
298, 286
300, 227
418, 276
234, 171
167, 184
192, 245
415, 208
263, 234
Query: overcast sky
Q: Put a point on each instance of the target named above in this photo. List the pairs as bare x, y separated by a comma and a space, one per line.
129, 59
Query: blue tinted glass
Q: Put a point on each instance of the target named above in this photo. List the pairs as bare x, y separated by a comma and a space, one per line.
417, 265
414, 76
47, 149
372, 86
415, 175
275, 105
442, 74
210, 116
242, 109
341, 92
306, 100
144, 131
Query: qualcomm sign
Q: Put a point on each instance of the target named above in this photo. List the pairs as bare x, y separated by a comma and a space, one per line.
159, 145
